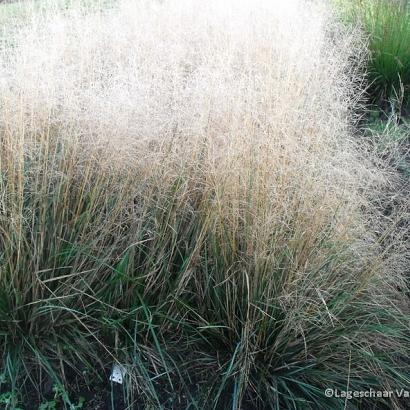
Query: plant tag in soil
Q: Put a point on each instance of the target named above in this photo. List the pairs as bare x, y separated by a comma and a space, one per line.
117, 373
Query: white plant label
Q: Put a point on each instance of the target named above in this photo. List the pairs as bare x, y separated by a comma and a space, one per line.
117, 374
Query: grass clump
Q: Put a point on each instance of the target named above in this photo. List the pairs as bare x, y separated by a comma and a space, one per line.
180, 193
387, 24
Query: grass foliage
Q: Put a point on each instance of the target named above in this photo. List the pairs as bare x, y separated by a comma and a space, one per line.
387, 24
180, 193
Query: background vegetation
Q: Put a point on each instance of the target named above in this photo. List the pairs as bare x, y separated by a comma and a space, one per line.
386, 22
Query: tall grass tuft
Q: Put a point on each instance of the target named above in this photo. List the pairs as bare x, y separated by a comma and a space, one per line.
180, 192
387, 24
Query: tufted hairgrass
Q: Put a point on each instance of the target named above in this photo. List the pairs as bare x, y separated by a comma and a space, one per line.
181, 193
